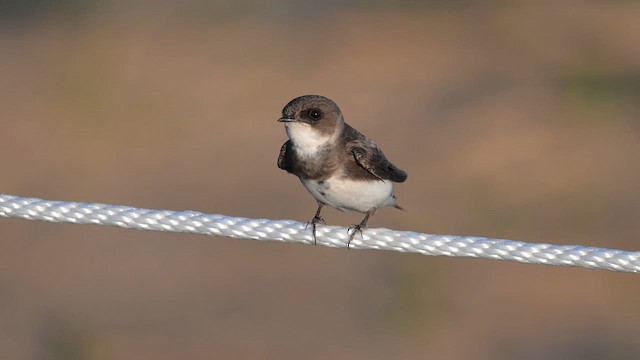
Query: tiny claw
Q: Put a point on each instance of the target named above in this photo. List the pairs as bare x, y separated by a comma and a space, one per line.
356, 229
316, 219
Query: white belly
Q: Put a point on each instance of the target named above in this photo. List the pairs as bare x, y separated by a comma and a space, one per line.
344, 194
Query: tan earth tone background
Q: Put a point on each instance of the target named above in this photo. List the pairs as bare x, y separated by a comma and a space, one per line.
516, 120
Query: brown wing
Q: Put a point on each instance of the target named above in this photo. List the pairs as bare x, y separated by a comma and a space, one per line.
284, 159
374, 161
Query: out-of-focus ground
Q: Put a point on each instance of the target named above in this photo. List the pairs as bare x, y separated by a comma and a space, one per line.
515, 121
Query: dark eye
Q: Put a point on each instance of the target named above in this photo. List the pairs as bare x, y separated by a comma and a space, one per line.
315, 114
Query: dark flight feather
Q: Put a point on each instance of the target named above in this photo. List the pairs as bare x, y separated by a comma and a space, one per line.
373, 160
284, 159
369, 156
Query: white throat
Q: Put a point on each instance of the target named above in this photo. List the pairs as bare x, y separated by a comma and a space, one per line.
306, 140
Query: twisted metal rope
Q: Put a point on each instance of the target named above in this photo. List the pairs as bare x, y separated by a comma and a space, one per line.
332, 236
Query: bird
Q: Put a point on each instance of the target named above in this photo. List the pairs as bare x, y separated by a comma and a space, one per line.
337, 165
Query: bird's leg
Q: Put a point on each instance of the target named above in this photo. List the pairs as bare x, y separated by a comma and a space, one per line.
316, 219
359, 227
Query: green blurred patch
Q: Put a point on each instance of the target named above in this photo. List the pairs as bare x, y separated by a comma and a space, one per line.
20, 9
64, 340
597, 92
417, 298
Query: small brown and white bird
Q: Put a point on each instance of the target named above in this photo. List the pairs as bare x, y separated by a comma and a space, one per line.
338, 165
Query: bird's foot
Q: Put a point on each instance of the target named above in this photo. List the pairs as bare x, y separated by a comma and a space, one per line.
357, 228
316, 219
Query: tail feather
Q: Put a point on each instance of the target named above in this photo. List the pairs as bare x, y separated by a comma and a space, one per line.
395, 203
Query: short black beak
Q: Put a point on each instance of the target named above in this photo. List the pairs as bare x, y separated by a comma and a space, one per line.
286, 120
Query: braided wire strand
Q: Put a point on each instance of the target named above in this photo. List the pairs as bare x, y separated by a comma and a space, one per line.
331, 236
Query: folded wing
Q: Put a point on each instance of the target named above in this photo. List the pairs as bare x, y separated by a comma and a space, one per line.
374, 161
284, 159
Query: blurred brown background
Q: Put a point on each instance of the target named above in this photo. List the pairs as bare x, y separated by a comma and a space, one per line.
516, 120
